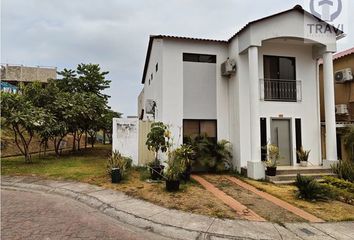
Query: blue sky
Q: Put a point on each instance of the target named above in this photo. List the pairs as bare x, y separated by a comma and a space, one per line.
114, 33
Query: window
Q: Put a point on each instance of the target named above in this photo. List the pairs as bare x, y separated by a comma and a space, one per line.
152, 76
195, 128
204, 58
157, 67
263, 139
280, 79
298, 136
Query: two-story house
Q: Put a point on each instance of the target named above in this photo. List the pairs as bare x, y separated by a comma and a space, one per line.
260, 86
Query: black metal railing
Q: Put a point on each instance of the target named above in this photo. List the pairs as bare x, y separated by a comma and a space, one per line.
280, 90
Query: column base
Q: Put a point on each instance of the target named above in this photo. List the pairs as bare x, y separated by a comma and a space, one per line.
329, 163
255, 170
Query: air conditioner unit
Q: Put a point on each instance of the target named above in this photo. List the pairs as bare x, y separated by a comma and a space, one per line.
149, 106
228, 67
342, 109
343, 75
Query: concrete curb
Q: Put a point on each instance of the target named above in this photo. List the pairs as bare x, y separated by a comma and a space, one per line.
169, 223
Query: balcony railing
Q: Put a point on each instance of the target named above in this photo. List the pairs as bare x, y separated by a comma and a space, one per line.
280, 90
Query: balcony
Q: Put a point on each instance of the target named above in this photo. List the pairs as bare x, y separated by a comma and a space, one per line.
280, 90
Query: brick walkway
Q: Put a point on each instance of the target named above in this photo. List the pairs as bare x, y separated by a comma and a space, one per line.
240, 209
297, 211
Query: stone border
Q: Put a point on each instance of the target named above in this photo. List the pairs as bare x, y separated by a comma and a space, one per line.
172, 223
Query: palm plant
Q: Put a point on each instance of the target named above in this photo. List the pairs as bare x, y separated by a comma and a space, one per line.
216, 156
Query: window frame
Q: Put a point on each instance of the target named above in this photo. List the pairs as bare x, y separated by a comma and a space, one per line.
199, 127
293, 59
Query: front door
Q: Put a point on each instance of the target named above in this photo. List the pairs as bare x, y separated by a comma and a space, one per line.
280, 135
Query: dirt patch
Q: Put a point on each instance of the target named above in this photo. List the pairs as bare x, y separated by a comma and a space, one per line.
328, 211
261, 206
191, 198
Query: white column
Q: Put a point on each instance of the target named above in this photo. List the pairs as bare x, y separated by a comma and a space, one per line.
255, 168
330, 113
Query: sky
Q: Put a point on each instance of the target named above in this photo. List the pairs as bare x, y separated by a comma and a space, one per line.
115, 33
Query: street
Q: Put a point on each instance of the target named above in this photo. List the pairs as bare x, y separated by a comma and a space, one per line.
32, 215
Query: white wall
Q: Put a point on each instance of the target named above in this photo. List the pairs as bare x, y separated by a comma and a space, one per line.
173, 84
199, 90
154, 89
305, 109
125, 137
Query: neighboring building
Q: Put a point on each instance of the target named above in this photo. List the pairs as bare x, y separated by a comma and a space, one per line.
343, 64
7, 87
270, 94
14, 74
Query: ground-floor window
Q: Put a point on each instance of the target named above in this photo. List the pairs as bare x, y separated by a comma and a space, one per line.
194, 128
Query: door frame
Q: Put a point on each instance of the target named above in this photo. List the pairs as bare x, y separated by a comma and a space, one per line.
289, 119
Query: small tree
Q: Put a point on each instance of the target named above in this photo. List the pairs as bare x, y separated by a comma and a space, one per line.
23, 118
158, 139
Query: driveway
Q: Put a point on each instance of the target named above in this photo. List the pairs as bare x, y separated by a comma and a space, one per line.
34, 215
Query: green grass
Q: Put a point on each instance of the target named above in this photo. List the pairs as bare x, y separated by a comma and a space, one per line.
80, 166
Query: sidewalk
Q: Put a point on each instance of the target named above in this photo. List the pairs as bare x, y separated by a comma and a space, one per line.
172, 223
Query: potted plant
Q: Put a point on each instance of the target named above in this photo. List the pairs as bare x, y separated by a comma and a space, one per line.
175, 167
303, 156
158, 139
185, 153
117, 165
272, 160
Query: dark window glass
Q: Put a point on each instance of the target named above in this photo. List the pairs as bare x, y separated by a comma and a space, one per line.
279, 68
195, 128
263, 139
192, 57
152, 76
298, 136
339, 146
280, 79
157, 67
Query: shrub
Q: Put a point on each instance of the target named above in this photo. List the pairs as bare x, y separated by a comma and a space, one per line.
310, 189
117, 160
175, 166
216, 156
349, 142
339, 183
344, 169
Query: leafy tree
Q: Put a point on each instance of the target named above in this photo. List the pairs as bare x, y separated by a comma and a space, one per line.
23, 118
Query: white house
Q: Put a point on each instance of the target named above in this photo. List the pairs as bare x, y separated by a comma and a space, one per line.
272, 94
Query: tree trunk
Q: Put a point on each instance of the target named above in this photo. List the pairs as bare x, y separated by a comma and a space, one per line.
85, 139
74, 141
104, 137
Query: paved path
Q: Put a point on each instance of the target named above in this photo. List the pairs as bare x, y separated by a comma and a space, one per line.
33, 215
166, 222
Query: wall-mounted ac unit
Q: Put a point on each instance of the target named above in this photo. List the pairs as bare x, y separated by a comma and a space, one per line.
342, 109
149, 106
343, 75
228, 67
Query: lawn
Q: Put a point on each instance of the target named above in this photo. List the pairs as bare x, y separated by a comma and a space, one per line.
90, 166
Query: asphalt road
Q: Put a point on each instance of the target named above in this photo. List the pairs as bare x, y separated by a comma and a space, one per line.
32, 215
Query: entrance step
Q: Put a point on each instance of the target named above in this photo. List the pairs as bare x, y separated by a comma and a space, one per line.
302, 170
287, 175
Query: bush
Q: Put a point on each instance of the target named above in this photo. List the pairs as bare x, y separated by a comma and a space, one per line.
339, 183
310, 189
345, 170
216, 156
117, 160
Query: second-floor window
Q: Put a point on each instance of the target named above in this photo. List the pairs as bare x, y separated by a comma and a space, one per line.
280, 79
